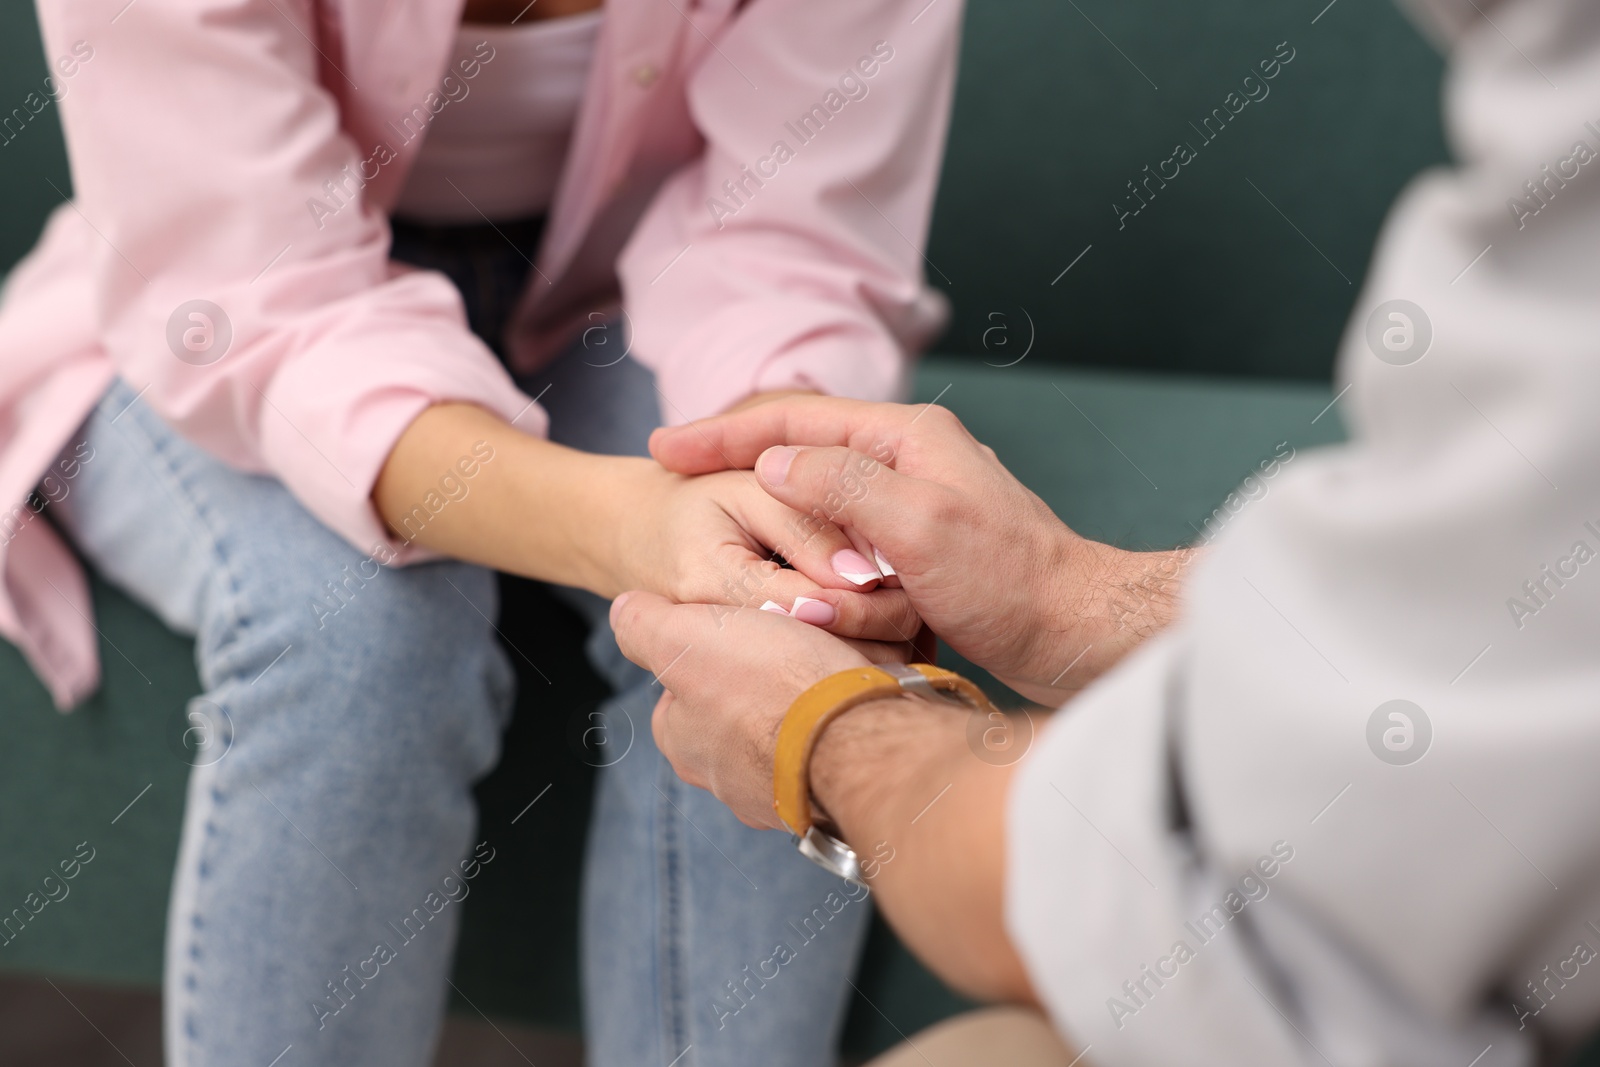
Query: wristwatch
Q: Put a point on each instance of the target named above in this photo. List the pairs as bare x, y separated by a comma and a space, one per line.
810, 714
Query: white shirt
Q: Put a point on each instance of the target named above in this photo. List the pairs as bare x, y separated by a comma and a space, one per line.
496, 149
1448, 556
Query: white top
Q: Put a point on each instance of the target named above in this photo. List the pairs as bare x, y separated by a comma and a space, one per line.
1219, 854
502, 137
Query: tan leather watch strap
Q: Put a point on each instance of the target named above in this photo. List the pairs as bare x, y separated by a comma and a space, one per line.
836, 694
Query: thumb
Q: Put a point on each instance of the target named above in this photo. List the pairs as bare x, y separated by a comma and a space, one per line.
851, 489
650, 630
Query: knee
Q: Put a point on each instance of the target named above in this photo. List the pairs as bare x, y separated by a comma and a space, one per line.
392, 671
425, 677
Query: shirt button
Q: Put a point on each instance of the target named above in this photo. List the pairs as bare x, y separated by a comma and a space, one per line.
645, 76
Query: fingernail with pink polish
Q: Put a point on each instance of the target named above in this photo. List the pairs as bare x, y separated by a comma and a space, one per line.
773, 466
883, 564
816, 612
775, 607
853, 566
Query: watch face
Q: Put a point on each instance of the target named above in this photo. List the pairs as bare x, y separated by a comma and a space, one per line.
832, 855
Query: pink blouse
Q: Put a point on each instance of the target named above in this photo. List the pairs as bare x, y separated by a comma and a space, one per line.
755, 182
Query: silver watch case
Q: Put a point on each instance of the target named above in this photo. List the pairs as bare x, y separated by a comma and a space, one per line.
832, 855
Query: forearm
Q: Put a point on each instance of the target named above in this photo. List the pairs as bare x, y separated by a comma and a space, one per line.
928, 819
528, 506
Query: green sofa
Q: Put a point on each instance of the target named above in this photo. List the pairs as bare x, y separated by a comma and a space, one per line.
1130, 368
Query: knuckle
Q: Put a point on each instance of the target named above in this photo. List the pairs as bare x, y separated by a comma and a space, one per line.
835, 479
854, 617
943, 510
854, 473
665, 742
939, 417
812, 466
907, 623
886, 449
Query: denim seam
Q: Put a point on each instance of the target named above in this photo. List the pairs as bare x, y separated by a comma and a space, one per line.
674, 993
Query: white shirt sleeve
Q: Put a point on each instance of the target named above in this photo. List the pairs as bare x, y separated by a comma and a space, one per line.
1235, 848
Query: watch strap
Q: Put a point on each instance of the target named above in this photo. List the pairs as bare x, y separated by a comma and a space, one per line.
836, 694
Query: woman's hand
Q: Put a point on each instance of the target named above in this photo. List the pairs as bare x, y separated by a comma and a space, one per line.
986, 563
463, 482
728, 678
711, 540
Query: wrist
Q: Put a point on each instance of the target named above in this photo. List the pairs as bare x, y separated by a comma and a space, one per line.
873, 756
1067, 618
618, 495
1137, 596
1101, 603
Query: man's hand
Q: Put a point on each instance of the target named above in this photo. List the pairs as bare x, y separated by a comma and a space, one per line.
986, 563
727, 678
880, 770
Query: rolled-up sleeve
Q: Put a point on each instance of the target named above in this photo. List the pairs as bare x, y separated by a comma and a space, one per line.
1342, 813
203, 144
789, 255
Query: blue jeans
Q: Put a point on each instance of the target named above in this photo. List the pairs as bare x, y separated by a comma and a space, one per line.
329, 829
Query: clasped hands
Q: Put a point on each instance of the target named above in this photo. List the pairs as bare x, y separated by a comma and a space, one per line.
959, 546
